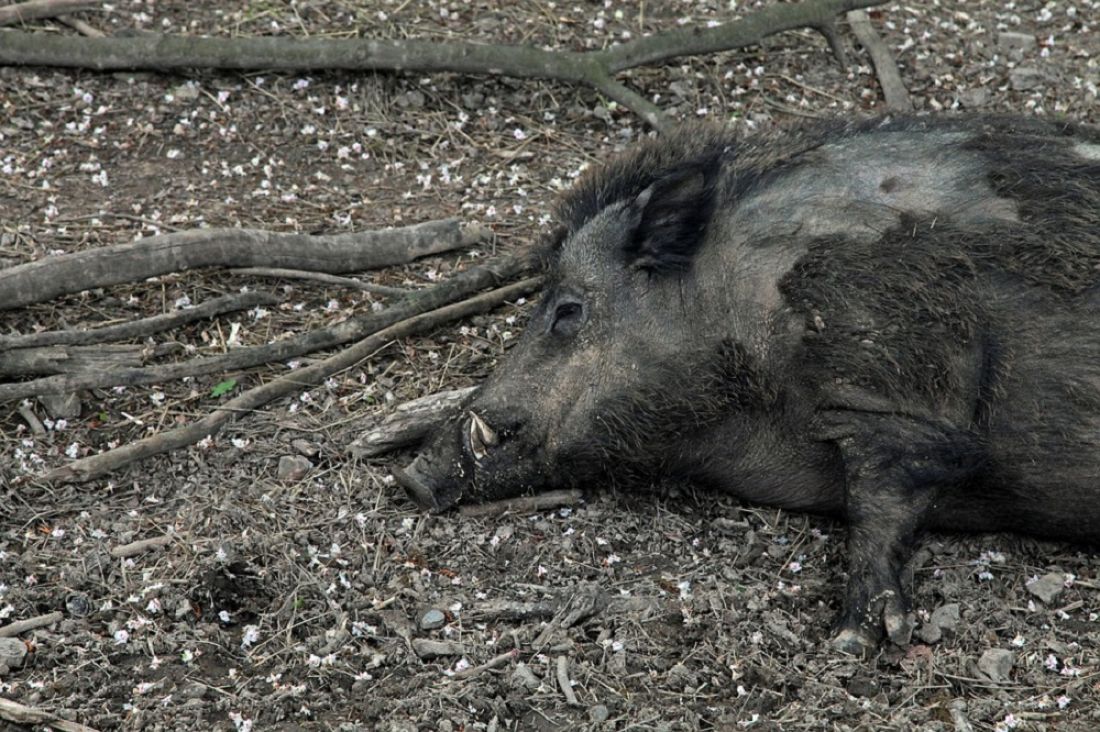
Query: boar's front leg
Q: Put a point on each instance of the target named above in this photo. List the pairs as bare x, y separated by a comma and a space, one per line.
895, 467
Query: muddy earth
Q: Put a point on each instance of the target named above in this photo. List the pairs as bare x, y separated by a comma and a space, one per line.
316, 596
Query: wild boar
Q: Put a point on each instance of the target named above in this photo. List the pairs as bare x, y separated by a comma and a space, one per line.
895, 322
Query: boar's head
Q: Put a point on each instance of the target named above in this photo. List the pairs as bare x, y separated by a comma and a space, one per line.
610, 377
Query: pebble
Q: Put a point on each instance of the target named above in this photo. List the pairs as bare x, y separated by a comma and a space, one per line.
1026, 78
1048, 587
524, 678
599, 713
1016, 44
78, 605
432, 619
996, 664
293, 467
945, 618
12, 652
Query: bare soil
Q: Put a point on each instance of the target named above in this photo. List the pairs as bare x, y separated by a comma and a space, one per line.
306, 603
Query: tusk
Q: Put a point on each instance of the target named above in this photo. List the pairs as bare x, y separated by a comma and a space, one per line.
480, 436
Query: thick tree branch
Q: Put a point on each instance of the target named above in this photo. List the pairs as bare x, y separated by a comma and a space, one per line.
38, 9
97, 465
459, 286
595, 68
155, 255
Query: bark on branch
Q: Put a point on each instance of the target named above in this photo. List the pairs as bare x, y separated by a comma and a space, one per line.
38, 9
594, 68
155, 255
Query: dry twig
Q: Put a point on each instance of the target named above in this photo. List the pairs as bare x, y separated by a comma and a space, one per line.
893, 89
39, 9
523, 504
21, 714
298, 274
456, 287
564, 683
139, 328
92, 467
22, 626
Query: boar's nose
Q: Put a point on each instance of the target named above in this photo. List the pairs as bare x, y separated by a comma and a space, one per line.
480, 437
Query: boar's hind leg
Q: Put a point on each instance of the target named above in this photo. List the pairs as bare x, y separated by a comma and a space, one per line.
894, 468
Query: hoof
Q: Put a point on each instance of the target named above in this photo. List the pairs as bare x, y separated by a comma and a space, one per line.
853, 642
899, 627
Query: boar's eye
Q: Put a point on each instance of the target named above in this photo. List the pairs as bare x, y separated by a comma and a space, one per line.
568, 317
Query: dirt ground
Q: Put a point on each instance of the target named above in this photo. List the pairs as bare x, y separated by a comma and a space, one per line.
311, 602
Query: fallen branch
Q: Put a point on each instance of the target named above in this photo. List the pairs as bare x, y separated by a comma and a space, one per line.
298, 274
461, 285
92, 467
40, 9
409, 423
180, 251
32, 420
594, 68
139, 328
893, 89
69, 359
17, 713
523, 504
22, 626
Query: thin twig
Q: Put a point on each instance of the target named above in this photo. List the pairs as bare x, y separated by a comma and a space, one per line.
39, 9
893, 89
21, 714
139, 328
298, 274
22, 626
523, 504
92, 467
460, 285
80, 26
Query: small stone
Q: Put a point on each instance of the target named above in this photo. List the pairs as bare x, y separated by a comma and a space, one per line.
863, 686
599, 713
996, 664
1015, 44
293, 468
78, 605
1026, 78
12, 652
445, 725
524, 678
1048, 587
184, 610
432, 620
61, 406
974, 98
943, 619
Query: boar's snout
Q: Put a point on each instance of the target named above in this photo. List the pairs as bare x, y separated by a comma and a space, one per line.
438, 477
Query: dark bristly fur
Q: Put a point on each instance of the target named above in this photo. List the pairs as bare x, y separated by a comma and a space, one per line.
896, 321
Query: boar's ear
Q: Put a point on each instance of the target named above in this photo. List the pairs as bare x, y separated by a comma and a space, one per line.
669, 218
